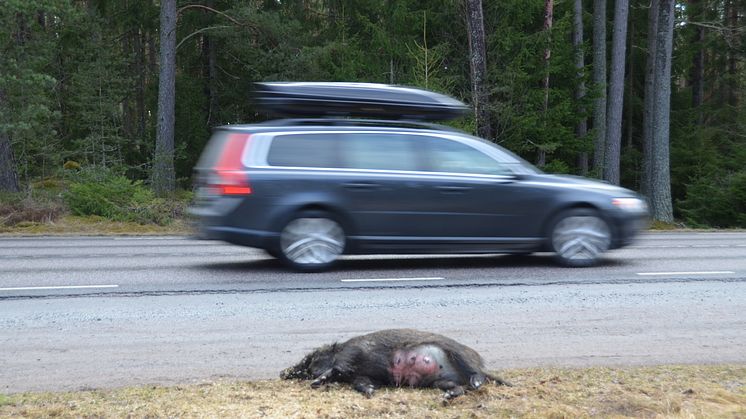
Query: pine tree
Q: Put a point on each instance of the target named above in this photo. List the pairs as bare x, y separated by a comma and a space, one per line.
612, 155
163, 162
599, 81
477, 61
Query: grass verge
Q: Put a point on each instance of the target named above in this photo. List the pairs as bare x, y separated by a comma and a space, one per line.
663, 391
93, 225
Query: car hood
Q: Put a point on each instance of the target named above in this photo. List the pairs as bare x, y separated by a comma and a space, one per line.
579, 183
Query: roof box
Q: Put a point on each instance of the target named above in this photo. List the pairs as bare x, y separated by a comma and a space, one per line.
366, 100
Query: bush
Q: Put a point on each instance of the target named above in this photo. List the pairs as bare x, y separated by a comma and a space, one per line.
716, 201
116, 198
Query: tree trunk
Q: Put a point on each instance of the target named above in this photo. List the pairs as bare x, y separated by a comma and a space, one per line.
648, 113
630, 84
209, 58
152, 59
660, 184
128, 113
478, 64
141, 80
599, 81
581, 129
163, 163
8, 172
548, 20
212, 96
698, 62
733, 51
616, 93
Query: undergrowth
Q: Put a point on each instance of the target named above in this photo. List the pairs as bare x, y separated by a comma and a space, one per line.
100, 193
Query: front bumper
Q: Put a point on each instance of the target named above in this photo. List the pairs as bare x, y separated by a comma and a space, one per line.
627, 228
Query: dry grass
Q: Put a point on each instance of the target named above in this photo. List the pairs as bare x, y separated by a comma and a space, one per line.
667, 391
92, 225
17, 211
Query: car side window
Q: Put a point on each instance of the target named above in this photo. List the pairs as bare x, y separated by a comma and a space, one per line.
444, 155
379, 151
304, 150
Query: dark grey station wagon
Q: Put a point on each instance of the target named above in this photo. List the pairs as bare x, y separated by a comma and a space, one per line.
310, 190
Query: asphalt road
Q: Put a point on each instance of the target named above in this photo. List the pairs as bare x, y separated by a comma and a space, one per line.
79, 312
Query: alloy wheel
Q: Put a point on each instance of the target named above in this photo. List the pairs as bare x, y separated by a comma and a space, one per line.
579, 240
312, 241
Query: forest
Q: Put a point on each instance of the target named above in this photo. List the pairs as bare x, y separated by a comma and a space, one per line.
105, 105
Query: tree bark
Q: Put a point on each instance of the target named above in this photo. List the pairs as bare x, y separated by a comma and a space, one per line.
648, 113
8, 170
152, 59
599, 81
698, 62
616, 93
163, 163
141, 80
630, 84
548, 20
660, 183
581, 129
209, 58
128, 113
211, 79
733, 51
478, 65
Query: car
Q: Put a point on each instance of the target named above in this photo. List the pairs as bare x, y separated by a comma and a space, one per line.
308, 190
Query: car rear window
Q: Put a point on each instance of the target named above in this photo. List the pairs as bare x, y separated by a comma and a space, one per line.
379, 151
304, 150
376, 151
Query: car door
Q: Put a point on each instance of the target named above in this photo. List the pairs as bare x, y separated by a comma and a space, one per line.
380, 183
470, 194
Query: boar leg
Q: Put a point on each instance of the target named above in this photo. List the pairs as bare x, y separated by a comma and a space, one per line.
364, 385
476, 380
324, 378
452, 389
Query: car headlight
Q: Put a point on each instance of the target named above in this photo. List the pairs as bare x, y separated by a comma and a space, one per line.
630, 204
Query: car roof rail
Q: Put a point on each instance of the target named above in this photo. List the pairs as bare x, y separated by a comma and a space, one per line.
401, 123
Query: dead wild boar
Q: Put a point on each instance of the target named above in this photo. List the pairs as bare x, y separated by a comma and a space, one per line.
395, 357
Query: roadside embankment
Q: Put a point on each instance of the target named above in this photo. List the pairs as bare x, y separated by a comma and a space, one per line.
662, 391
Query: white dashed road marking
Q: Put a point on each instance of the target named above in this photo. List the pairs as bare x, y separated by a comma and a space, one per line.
435, 278
685, 273
60, 287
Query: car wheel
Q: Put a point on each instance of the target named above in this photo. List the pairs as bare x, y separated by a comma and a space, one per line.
579, 237
311, 241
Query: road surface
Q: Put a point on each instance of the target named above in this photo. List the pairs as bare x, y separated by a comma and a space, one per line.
82, 312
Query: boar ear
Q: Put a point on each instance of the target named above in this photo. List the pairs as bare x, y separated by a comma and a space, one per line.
334, 347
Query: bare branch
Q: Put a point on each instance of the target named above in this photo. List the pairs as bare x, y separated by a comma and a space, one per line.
200, 31
200, 6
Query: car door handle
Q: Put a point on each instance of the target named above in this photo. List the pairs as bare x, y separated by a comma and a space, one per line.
453, 188
361, 185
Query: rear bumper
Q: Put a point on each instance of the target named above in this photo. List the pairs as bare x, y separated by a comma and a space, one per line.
242, 237
210, 224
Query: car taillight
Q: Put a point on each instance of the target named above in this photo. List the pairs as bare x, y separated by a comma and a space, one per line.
229, 177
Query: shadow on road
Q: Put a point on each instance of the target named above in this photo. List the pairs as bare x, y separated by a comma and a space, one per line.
410, 263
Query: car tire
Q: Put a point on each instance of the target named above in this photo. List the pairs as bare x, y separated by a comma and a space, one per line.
578, 237
311, 241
